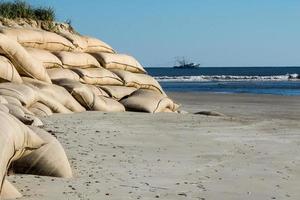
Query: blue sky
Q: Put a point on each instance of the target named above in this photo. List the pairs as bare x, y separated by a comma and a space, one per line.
212, 32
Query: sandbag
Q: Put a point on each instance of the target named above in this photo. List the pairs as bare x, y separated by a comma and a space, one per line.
110, 105
9, 191
63, 74
118, 92
8, 72
96, 45
142, 81
38, 39
119, 61
97, 90
78, 41
3, 108
23, 115
24, 63
48, 160
11, 100
58, 93
82, 93
77, 60
48, 59
40, 109
144, 100
3, 99
98, 76
16, 141
25, 94
54, 105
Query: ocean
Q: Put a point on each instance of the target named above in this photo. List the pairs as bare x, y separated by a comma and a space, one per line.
252, 80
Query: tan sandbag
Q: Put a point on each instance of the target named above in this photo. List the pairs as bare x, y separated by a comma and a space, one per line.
25, 94
48, 59
8, 72
24, 63
82, 93
40, 109
145, 100
48, 160
98, 76
16, 141
78, 41
77, 60
96, 45
54, 105
63, 74
97, 90
119, 61
117, 92
3, 99
142, 81
11, 100
3, 108
58, 93
9, 191
111, 105
24, 115
38, 39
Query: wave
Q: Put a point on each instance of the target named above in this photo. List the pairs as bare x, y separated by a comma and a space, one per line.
202, 78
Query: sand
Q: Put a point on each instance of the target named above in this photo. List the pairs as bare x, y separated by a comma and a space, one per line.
251, 153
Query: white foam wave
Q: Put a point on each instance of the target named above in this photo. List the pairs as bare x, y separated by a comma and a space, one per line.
227, 78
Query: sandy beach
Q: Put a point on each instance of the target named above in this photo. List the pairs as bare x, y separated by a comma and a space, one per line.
250, 153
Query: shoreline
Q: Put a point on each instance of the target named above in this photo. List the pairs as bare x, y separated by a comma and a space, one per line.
178, 156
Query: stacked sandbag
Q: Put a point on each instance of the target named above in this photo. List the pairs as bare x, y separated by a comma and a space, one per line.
59, 73
22, 60
117, 92
16, 141
38, 39
77, 60
87, 98
119, 61
48, 160
48, 59
145, 100
8, 72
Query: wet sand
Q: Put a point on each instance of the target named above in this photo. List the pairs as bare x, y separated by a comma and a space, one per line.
253, 152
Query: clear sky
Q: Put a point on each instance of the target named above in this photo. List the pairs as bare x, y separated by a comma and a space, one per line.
212, 32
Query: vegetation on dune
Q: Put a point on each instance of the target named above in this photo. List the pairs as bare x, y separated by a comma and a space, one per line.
21, 9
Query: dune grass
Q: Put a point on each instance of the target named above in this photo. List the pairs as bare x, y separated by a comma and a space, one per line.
21, 9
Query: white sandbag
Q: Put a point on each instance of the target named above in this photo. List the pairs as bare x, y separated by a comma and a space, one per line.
8, 72
9, 191
110, 105
142, 81
40, 109
48, 160
58, 93
98, 76
3, 108
119, 61
24, 63
118, 92
77, 60
16, 141
145, 100
25, 94
48, 59
58, 73
38, 39
96, 45
3, 99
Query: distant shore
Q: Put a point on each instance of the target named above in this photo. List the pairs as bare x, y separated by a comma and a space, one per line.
250, 153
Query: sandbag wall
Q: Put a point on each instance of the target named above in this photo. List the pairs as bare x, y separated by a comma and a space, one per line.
42, 73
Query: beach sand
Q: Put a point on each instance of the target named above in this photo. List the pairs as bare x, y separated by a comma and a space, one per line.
253, 152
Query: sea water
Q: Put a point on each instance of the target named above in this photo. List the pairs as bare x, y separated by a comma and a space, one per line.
255, 80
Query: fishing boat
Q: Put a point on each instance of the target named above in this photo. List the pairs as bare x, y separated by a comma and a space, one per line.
183, 63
